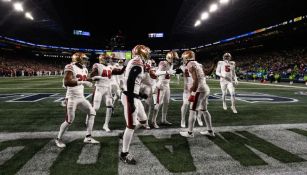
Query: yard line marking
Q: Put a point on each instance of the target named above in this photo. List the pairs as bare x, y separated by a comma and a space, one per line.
8, 153
89, 154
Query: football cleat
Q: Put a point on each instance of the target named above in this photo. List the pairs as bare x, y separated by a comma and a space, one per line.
59, 143
106, 128
234, 110
224, 106
208, 133
154, 124
90, 140
127, 158
187, 134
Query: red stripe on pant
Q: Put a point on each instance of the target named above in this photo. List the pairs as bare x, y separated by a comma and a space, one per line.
196, 100
158, 97
130, 118
66, 117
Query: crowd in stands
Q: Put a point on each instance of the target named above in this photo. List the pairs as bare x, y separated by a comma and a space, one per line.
19, 66
285, 64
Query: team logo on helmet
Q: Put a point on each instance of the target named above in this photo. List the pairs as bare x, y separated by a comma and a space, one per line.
142, 51
79, 57
171, 56
188, 56
103, 58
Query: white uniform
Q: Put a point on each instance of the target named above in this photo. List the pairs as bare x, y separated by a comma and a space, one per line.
148, 86
187, 80
162, 91
75, 95
75, 99
102, 89
201, 97
114, 85
226, 71
133, 110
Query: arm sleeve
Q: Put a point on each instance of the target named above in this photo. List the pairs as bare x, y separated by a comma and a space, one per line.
218, 69
134, 73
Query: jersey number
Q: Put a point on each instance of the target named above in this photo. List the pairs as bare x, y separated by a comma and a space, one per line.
81, 77
106, 73
227, 68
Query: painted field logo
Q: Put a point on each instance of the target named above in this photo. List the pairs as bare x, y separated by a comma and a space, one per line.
260, 98
231, 152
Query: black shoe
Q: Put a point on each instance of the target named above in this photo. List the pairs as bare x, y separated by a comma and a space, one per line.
127, 158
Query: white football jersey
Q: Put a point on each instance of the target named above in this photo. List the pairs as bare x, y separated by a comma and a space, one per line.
164, 79
135, 62
79, 74
187, 79
105, 72
226, 69
200, 75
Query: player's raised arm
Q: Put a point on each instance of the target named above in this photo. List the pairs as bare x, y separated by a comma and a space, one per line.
219, 69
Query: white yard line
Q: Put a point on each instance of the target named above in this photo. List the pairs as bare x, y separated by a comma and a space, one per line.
80, 134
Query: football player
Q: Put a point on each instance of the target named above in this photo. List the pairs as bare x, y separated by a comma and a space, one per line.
162, 95
75, 78
148, 85
226, 71
115, 87
102, 74
199, 94
131, 99
187, 79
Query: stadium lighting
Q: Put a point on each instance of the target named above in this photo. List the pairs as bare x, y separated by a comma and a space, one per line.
6, 0
18, 7
29, 16
213, 8
224, 1
197, 23
204, 16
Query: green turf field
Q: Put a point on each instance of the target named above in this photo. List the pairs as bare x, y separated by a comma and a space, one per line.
46, 115
265, 137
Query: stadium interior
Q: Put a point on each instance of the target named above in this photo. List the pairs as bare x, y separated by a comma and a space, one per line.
267, 41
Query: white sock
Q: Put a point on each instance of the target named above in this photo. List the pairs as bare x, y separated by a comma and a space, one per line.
184, 110
192, 118
90, 125
108, 115
64, 126
164, 111
233, 101
127, 139
155, 113
207, 117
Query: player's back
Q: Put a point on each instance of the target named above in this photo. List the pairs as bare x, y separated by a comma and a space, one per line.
199, 73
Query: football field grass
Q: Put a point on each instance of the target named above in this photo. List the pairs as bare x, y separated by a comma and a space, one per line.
46, 115
267, 136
